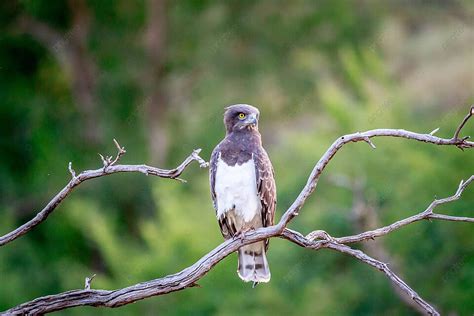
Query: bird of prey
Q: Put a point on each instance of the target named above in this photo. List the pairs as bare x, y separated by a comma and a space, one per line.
243, 188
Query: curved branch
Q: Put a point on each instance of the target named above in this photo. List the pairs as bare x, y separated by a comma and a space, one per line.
366, 137
361, 256
109, 168
330, 243
189, 276
461, 125
426, 214
175, 282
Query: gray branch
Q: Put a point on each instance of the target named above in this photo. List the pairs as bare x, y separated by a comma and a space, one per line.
366, 137
361, 256
330, 243
426, 214
189, 276
109, 168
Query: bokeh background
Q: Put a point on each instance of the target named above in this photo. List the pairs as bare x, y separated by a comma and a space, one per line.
156, 76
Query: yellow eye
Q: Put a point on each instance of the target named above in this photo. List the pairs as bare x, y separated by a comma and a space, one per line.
241, 116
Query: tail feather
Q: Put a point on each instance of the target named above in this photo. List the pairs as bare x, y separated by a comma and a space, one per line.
253, 264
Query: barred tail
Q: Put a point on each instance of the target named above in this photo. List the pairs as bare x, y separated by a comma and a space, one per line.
253, 264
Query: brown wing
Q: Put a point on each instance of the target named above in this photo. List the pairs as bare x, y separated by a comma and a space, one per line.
212, 175
266, 187
227, 228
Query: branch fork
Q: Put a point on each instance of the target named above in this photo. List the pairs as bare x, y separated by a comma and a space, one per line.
368, 141
188, 277
109, 168
107, 160
202, 162
461, 142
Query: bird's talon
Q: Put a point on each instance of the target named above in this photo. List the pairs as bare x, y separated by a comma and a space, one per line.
241, 234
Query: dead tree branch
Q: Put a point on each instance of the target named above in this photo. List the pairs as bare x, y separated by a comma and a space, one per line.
189, 276
109, 168
426, 214
366, 137
388, 272
329, 243
364, 216
461, 125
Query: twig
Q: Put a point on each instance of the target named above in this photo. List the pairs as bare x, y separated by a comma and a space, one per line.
87, 282
73, 173
189, 276
461, 125
168, 284
426, 214
302, 241
452, 218
202, 162
120, 152
107, 160
434, 131
90, 174
357, 137
364, 216
368, 141
397, 281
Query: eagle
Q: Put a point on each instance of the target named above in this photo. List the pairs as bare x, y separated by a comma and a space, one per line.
243, 188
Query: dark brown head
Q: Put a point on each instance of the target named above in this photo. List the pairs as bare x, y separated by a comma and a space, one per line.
241, 117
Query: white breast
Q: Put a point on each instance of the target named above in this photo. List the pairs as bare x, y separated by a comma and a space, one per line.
236, 187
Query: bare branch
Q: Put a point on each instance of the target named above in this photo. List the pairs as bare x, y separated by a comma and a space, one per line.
202, 162
364, 217
88, 281
175, 282
452, 218
108, 169
189, 276
387, 271
71, 171
357, 137
368, 141
302, 241
434, 131
426, 214
120, 152
461, 125
107, 160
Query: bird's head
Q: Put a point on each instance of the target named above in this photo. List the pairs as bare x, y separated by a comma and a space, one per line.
241, 117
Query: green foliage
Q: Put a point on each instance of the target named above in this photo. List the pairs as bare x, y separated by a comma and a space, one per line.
317, 71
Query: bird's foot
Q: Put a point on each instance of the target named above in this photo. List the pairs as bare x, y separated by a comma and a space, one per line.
241, 233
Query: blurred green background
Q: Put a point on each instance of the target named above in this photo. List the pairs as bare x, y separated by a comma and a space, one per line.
156, 76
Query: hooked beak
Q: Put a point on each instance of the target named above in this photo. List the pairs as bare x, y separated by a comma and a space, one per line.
251, 119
